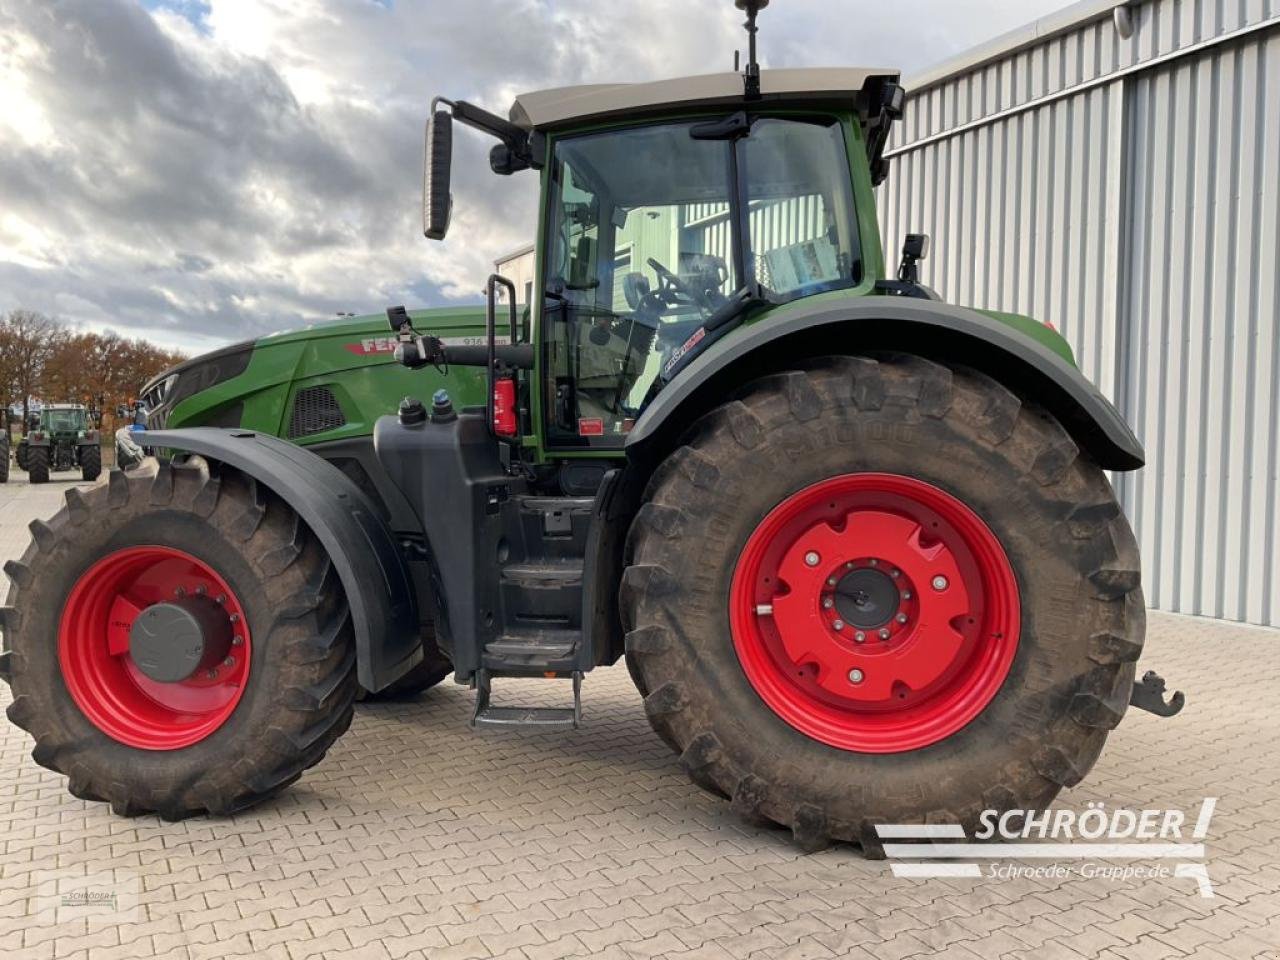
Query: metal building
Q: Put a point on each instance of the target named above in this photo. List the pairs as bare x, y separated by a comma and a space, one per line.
1115, 169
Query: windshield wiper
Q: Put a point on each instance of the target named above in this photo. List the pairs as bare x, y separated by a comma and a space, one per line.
732, 127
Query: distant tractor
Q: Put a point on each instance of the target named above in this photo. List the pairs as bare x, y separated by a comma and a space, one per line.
61, 437
856, 546
5, 452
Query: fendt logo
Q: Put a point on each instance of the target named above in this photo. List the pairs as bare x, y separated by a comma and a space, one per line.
1085, 843
372, 346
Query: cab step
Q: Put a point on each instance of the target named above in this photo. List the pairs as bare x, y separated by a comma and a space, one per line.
488, 714
532, 652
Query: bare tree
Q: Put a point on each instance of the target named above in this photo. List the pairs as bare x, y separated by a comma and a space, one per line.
31, 338
39, 357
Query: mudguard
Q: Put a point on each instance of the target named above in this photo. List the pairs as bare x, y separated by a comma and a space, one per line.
938, 330
364, 553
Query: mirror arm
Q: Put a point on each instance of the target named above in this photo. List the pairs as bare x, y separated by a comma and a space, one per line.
516, 138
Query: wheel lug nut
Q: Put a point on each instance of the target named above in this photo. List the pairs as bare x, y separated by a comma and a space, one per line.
839, 624
895, 573
180, 592
828, 603
884, 633
220, 598
831, 581
235, 618
201, 591
764, 609
859, 636
940, 582
811, 558
229, 662
212, 673
873, 562
901, 618
237, 641
855, 675
849, 565
906, 594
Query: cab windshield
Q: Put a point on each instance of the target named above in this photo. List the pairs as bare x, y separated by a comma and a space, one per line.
652, 229
63, 421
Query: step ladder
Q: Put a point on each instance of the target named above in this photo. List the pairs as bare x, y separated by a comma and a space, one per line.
488, 714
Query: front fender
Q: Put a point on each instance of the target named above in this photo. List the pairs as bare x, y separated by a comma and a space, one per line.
937, 330
364, 553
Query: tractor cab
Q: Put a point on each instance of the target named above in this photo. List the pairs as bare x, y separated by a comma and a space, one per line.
64, 421
673, 213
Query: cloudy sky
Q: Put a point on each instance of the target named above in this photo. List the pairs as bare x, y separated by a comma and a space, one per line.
201, 171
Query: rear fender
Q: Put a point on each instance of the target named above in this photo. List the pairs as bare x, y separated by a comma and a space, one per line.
940, 331
365, 555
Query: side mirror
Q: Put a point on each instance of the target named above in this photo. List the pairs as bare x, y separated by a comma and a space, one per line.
914, 249
916, 246
437, 202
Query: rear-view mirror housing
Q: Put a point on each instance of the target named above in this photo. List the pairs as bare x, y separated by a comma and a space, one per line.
437, 200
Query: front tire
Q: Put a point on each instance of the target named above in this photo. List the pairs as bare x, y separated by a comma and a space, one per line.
225, 735
898, 471
38, 464
90, 462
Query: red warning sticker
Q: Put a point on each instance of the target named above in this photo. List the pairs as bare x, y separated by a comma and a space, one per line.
590, 427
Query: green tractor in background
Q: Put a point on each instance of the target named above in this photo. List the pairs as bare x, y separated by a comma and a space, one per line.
60, 437
5, 442
857, 547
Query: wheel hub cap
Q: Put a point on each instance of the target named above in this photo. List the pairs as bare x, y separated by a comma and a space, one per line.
866, 598
874, 612
170, 642
154, 647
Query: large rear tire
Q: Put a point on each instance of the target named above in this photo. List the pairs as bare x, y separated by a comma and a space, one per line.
38, 464
881, 590
90, 462
225, 735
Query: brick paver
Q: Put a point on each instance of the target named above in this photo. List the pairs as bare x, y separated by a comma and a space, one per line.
418, 837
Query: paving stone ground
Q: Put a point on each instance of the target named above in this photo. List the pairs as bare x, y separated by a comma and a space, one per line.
418, 837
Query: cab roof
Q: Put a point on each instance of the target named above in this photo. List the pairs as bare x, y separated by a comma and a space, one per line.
567, 106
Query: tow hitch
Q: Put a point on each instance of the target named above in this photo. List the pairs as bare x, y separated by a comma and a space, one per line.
1148, 695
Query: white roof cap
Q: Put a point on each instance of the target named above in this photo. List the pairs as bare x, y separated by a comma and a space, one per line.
551, 108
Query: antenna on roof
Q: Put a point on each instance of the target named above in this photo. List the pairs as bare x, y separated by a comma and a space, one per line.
751, 76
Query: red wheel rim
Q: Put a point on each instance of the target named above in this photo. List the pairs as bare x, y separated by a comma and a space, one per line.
100, 672
874, 612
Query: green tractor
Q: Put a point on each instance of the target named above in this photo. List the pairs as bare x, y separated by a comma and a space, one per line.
5, 440
856, 546
61, 437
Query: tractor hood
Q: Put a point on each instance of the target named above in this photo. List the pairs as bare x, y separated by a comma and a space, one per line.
248, 384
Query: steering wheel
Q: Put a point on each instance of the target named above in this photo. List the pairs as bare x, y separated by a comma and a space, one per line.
671, 282
635, 287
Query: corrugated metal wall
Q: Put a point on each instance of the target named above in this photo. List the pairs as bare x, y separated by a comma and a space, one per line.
1128, 190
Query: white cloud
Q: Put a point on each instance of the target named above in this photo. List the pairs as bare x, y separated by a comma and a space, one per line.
200, 179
